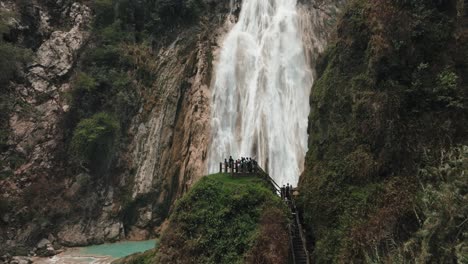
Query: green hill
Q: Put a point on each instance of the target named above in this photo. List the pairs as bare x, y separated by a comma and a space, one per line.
224, 220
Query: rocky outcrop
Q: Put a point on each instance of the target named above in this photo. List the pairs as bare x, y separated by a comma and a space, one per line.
36, 133
167, 140
35, 130
317, 20
170, 147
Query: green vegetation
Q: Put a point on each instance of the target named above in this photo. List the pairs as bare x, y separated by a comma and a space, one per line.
390, 91
118, 68
94, 139
219, 221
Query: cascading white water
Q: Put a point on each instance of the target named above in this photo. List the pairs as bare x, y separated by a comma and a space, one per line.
261, 91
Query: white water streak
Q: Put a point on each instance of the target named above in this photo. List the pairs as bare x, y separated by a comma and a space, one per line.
261, 91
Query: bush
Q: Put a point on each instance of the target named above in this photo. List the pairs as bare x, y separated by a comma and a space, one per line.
85, 82
11, 57
94, 140
104, 12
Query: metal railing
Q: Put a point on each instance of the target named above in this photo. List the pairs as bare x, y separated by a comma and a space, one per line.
301, 232
251, 168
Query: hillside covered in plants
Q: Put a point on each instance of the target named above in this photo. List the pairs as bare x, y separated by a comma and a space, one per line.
224, 220
387, 167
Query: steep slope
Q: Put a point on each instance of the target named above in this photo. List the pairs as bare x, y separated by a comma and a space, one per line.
224, 220
385, 179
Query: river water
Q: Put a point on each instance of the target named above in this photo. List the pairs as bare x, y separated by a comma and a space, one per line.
260, 95
98, 254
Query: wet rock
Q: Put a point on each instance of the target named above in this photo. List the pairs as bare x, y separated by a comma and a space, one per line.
137, 234
112, 232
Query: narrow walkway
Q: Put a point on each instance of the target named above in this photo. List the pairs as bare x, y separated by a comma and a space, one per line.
298, 242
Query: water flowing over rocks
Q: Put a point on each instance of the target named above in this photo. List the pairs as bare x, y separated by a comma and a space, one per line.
262, 84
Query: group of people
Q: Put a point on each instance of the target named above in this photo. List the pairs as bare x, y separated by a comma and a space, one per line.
240, 165
286, 192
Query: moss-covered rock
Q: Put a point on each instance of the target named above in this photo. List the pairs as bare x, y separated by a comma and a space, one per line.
391, 87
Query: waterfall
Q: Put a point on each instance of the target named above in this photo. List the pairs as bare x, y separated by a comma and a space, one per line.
260, 94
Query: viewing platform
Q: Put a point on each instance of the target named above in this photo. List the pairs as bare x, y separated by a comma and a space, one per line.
240, 168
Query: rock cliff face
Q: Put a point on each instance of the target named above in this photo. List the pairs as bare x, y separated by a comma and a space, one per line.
171, 140
162, 154
387, 154
36, 137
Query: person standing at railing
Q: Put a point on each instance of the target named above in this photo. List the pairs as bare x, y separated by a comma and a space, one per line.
231, 162
287, 192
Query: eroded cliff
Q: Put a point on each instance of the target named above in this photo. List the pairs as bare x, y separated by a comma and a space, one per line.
110, 120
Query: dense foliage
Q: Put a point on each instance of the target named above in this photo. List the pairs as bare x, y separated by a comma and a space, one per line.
94, 139
219, 221
392, 88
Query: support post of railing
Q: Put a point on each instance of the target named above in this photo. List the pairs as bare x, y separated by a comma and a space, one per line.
220, 167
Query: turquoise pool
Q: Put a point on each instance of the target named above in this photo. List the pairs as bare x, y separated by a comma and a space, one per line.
119, 249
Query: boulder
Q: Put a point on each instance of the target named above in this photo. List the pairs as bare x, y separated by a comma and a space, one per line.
20, 260
43, 243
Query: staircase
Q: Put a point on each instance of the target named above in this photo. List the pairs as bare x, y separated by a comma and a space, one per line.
297, 240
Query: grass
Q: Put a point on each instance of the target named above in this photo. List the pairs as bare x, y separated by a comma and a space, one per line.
231, 181
219, 220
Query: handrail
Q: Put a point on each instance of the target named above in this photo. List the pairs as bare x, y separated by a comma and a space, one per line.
297, 220
301, 232
278, 188
291, 244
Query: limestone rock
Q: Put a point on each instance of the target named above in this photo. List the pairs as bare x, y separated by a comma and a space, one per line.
72, 236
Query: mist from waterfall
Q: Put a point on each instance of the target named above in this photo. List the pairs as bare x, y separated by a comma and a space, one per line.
261, 91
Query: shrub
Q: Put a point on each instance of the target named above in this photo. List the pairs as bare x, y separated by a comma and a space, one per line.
85, 82
94, 139
104, 12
